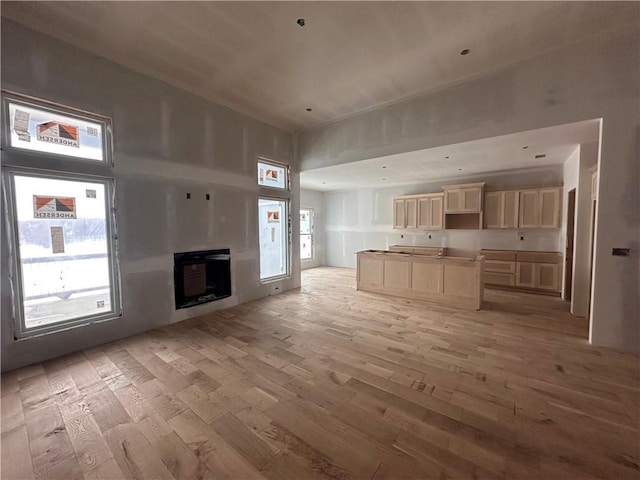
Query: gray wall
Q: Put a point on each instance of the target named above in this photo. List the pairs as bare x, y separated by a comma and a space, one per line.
315, 200
167, 143
362, 219
596, 78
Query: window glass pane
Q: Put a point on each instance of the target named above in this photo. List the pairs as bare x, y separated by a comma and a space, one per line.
64, 249
305, 221
272, 222
48, 132
272, 175
306, 250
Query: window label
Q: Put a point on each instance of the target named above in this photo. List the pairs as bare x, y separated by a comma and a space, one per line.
54, 207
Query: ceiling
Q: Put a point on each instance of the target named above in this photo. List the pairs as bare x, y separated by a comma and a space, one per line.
496, 154
350, 56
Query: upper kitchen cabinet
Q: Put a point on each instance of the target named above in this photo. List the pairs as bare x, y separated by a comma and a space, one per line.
501, 209
431, 211
405, 212
463, 198
540, 208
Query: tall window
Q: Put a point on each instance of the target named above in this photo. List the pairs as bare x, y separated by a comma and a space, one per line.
57, 174
306, 234
274, 221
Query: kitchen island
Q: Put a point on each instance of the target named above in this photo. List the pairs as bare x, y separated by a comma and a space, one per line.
451, 281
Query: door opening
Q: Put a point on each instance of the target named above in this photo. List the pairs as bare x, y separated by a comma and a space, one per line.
568, 272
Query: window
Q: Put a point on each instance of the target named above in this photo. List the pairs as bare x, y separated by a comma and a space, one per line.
273, 232
306, 234
45, 130
61, 220
272, 175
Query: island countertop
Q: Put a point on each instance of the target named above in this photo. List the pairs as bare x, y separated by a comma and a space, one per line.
455, 281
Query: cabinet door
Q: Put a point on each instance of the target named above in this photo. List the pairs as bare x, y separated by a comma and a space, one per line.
493, 209
452, 201
398, 213
510, 210
424, 212
526, 274
547, 277
472, 199
528, 217
436, 213
549, 207
411, 213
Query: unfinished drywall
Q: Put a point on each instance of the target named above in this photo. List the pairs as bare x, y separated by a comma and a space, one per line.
361, 219
166, 143
595, 78
315, 200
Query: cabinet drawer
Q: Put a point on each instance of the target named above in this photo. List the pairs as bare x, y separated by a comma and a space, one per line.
502, 255
539, 257
499, 266
507, 279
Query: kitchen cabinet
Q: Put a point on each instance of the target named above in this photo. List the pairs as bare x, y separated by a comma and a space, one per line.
465, 198
398, 213
538, 271
405, 212
540, 208
501, 209
431, 212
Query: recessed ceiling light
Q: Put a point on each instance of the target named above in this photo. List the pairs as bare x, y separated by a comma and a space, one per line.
384, 179
384, 166
447, 157
465, 51
541, 155
300, 22
525, 147
459, 169
324, 183
309, 109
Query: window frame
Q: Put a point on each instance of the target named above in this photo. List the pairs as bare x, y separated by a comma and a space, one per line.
9, 97
39, 164
274, 163
287, 216
311, 236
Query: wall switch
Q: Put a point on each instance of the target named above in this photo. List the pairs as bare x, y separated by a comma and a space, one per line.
621, 252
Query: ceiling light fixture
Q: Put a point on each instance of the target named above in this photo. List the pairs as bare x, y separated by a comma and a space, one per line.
309, 109
300, 22
384, 166
525, 147
459, 169
465, 51
447, 157
542, 155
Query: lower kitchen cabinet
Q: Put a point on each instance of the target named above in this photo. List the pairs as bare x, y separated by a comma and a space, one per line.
533, 271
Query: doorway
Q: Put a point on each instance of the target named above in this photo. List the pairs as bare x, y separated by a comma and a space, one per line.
569, 245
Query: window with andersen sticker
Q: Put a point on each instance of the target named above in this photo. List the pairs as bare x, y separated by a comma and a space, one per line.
61, 216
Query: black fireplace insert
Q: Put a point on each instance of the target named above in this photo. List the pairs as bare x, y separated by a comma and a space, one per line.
201, 277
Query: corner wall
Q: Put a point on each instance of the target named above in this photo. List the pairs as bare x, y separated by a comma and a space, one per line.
166, 142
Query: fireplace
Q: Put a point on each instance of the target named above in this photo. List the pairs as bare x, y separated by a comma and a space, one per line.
201, 277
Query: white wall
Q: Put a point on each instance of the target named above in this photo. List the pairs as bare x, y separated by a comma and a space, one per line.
362, 219
315, 200
167, 143
596, 78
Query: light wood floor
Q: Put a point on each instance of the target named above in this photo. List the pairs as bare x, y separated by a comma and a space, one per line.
328, 382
